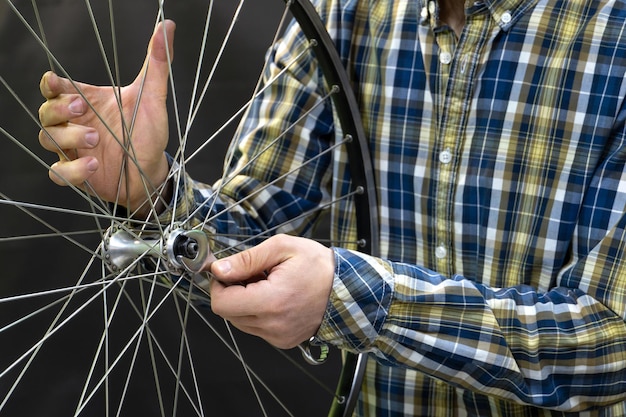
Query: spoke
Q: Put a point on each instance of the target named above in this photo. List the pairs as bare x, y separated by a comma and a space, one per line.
151, 341
216, 61
57, 234
142, 328
129, 153
272, 230
267, 148
245, 368
73, 289
71, 212
100, 43
183, 350
134, 340
41, 31
34, 350
196, 82
155, 342
243, 200
112, 367
102, 346
56, 325
235, 353
55, 231
237, 115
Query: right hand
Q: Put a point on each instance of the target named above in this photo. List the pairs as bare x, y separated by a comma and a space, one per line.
86, 133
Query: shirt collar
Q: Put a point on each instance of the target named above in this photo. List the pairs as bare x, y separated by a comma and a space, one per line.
504, 12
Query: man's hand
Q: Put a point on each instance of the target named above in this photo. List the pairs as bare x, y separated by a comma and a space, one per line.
85, 129
277, 290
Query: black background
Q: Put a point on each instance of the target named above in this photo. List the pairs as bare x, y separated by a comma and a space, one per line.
49, 389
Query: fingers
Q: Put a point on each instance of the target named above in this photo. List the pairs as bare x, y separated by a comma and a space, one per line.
240, 277
62, 137
74, 172
51, 85
68, 136
226, 300
63, 104
286, 306
256, 310
70, 169
61, 109
250, 263
81, 123
65, 139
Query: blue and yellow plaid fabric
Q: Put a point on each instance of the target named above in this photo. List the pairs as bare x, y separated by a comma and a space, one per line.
499, 159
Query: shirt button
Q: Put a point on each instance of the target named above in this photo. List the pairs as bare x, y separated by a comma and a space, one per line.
445, 156
432, 7
445, 58
441, 252
506, 17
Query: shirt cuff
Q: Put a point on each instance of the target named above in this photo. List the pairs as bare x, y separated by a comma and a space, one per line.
362, 292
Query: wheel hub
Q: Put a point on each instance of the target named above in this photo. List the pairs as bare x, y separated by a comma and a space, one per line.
180, 249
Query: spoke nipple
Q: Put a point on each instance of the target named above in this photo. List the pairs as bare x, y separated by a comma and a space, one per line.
360, 190
348, 138
361, 243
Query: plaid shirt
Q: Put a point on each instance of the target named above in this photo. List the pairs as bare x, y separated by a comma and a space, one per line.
500, 166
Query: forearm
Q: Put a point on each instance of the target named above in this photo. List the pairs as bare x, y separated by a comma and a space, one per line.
561, 350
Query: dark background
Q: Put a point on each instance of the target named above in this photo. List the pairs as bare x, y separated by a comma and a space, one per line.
52, 382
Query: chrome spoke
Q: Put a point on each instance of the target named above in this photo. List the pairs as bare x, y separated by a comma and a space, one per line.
142, 314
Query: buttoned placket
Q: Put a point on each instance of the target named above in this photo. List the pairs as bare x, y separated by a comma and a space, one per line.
458, 60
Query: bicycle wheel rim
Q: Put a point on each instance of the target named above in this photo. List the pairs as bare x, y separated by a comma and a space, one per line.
307, 18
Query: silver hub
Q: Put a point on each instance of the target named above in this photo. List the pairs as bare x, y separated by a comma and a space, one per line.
180, 249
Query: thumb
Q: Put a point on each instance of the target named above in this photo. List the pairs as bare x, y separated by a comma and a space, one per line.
156, 67
249, 265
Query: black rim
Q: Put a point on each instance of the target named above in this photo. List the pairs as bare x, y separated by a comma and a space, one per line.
361, 173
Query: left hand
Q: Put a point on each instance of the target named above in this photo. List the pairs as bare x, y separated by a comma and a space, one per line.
70, 118
277, 290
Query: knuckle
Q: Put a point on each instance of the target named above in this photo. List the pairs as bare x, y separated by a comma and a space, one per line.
283, 240
43, 138
247, 259
47, 141
43, 84
42, 113
216, 307
55, 176
281, 337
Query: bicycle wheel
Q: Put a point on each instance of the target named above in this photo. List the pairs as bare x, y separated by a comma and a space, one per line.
83, 335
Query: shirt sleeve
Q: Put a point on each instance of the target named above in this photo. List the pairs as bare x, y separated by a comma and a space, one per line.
563, 349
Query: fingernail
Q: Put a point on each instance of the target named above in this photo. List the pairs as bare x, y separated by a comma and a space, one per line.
91, 139
76, 106
92, 165
223, 267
